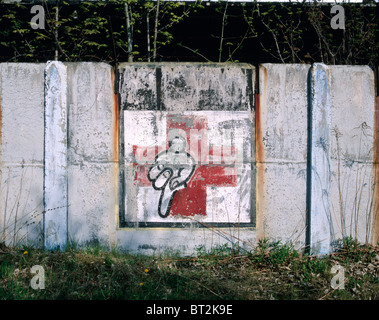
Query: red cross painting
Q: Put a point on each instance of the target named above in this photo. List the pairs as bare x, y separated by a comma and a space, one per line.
187, 165
206, 166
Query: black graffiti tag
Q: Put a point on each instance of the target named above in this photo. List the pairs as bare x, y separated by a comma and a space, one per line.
170, 172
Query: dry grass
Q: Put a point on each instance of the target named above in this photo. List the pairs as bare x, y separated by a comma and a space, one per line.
270, 272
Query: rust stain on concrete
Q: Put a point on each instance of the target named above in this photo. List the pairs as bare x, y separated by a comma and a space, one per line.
260, 157
258, 133
116, 121
113, 220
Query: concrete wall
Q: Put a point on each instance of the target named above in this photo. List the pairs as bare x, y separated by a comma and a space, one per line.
343, 177
84, 158
21, 153
211, 108
281, 139
287, 152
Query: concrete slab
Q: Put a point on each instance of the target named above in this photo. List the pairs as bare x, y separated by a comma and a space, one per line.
352, 151
220, 188
343, 177
215, 101
21, 153
56, 162
92, 153
281, 152
22, 112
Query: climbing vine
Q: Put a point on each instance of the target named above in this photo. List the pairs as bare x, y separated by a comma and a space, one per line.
132, 30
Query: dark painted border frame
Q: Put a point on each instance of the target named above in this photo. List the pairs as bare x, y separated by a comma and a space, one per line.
122, 223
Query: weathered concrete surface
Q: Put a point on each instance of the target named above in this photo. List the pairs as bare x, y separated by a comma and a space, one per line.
210, 107
93, 206
138, 87
92, 153
183, 241
375, 231
221, 188
343, 176
352, 151
91, 150
281, 152
56, 166
206, 87
192, 86
320, 176
21, 153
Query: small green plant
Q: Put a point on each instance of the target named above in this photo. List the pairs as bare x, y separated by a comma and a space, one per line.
274, 253
313, 267
272, 271
217, 251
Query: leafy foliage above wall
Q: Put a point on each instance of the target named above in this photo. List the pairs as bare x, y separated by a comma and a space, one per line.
132, 30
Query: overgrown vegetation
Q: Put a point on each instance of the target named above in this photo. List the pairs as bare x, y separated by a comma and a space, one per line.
132, 30
271, 271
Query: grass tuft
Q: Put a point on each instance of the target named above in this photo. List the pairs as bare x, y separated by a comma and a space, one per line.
271, 271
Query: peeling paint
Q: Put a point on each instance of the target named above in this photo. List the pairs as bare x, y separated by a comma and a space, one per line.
219, 164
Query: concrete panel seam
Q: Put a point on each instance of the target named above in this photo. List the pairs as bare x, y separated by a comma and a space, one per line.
55, 156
